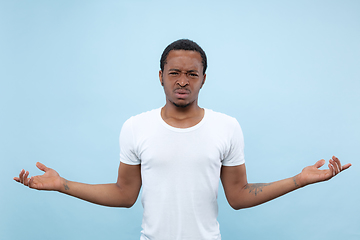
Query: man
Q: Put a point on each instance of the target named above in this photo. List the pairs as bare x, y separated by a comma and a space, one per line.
177, 153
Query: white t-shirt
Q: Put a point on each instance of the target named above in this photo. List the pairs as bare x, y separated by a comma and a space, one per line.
180, 170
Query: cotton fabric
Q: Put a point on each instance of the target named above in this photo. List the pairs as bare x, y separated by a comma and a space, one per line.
180, 170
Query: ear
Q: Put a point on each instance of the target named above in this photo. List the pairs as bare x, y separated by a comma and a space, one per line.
161, 78
202, 84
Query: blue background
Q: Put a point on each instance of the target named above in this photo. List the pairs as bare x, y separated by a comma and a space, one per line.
72, 72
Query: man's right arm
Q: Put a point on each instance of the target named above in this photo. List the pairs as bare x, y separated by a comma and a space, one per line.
123, 193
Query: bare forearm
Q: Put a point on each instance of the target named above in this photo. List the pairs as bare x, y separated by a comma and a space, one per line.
253, 194
241, 194
103, 194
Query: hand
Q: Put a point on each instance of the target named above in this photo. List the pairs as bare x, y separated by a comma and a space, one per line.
50, 180
313, 174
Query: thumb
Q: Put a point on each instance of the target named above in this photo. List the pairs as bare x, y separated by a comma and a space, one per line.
319, 163
42, 167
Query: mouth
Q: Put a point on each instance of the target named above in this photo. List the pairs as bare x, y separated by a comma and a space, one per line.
181, 93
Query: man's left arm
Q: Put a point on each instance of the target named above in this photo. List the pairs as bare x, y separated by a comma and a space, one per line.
241, 194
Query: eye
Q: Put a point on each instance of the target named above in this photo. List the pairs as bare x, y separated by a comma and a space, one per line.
193, 75
173, 73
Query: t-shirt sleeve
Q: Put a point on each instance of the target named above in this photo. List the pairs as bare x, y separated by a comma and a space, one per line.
235, 154
127, 144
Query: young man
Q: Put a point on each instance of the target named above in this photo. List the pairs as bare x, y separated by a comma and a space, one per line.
177, 153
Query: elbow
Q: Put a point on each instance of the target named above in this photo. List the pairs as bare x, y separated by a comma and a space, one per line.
242, 205
122, 204
126, 197
238, 207
125, 206
125, 202
128, 204
235, 206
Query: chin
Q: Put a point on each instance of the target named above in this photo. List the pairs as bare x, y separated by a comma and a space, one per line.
181, 105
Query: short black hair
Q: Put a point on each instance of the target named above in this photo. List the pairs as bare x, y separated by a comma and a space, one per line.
183, 44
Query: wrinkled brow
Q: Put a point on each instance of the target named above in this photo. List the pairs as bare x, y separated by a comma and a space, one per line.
178, 70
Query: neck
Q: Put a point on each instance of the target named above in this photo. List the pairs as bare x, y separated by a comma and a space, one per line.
182, 117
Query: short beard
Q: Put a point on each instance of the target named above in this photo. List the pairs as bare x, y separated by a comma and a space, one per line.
181, 105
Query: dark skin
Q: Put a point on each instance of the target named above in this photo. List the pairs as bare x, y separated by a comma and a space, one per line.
182, 80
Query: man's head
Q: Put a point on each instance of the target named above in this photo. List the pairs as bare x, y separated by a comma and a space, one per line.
182, 74
183, 44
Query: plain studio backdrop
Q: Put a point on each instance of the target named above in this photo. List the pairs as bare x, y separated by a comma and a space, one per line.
72, 72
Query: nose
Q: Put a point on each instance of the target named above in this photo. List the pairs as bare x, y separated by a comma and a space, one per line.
183, 80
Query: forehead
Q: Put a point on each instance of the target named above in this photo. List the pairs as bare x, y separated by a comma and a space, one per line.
184, 60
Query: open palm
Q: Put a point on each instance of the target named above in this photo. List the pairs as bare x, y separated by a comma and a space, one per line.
313, 174
50, 180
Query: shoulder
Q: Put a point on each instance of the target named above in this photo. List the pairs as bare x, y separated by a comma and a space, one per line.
223, 124
145, 116
142, 121
221, 118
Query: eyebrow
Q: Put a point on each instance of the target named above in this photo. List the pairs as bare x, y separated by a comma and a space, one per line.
178, 70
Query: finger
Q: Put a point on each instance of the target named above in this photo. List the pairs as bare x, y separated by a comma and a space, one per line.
332, 170
41, 166
26, 180
16, 179
30, 184
346, 166
342, 168
337, 161
21, 176
319, 163
335, 166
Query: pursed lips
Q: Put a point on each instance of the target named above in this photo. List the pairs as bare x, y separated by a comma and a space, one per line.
181, 92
